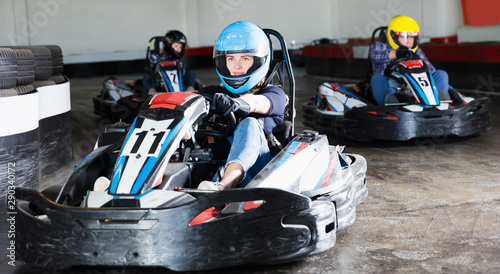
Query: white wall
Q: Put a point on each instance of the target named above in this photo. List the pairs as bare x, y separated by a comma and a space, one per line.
90, 30
294, 19
102, 30
436, 18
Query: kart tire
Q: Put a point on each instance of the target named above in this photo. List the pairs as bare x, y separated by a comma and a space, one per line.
43, 83
8, 68
308, 114
58, 79
57, 59
96, 100
24, 89
8, 92
25, 67
43, 61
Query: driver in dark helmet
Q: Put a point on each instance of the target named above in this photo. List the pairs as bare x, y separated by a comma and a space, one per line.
242, 57
174, 45
403, 37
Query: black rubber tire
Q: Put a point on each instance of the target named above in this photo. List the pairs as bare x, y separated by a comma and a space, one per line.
43, 61
43, 83
8, 68
57, 59
58, 79
8, 92
25, 67
24, 89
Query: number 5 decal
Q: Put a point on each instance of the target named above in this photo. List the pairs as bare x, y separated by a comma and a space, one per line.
423, 81
144, 142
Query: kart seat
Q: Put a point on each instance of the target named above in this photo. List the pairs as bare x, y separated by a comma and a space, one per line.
283, 133
176, 175
382, 37
188, 175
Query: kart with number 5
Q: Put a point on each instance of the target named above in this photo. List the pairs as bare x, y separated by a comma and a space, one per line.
349, 111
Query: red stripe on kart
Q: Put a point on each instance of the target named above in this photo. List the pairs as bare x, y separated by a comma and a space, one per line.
168, 63
299, 147
329, 172
177, 98
163, 105
205, 216
252, 204
334, 86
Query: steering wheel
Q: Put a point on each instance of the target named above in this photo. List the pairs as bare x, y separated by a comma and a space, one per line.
388, 70
225, 130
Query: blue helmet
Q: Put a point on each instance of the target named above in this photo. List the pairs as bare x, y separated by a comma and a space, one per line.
242, 37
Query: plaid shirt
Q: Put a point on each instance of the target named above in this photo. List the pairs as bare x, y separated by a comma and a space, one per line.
379, 55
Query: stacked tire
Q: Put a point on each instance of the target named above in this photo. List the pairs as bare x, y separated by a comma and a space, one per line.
24, 68
8, 72
35, 131
57, 64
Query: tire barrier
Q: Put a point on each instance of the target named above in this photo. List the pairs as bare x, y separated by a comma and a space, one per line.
35, 129
8, 68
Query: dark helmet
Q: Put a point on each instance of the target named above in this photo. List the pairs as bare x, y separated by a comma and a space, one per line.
174, 36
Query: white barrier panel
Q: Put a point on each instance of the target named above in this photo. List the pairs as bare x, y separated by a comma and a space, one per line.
19, 146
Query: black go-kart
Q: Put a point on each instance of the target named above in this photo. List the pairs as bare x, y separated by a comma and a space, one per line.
120, 100
349, 112
134, 200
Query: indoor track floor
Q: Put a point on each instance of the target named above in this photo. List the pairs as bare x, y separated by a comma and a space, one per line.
433, 204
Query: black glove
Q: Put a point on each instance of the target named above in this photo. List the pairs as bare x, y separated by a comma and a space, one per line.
223, 104
404, 52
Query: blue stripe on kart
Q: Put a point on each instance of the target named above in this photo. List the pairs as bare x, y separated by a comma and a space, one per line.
347, 92
434, 90
289, 152
88, 157
179, 73
323, 181
121, 162
170, 88
143, 194
151, 162
418, 89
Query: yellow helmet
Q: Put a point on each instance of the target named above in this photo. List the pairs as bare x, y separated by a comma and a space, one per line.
403, 27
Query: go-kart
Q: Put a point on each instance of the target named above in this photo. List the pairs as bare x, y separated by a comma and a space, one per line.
120, 100
152, 214
349, 111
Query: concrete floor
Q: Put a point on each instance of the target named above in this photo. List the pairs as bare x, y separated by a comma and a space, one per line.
433, 204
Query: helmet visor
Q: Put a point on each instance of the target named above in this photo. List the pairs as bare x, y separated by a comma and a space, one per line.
241, 42
409, 39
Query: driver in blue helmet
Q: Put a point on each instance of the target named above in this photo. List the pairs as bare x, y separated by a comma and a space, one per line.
242, 57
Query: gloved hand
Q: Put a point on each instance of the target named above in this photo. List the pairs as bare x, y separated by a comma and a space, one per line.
404, 52
223, 104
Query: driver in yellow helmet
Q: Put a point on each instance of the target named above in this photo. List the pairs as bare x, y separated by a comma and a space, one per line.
402, 41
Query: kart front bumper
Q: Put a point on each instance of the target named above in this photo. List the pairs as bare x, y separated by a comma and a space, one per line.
396, 124
285, 227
